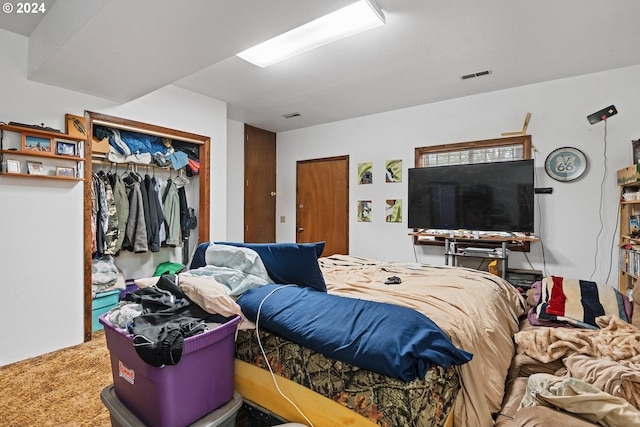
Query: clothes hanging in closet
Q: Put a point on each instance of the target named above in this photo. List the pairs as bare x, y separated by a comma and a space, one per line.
132, 213
162, 232
111, 228
155, 218
171, 210
135, 239
98, 214
122, 207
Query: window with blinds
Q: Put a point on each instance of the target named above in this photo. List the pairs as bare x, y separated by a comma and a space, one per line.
491, 150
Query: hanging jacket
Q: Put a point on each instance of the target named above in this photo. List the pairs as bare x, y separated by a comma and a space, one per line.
162, 232
122, 208
135, 238
100, 210
111, 231
155, 218
171, 212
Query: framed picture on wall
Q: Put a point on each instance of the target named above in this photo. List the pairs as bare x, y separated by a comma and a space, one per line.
365, 173
364, 210
393, 210
393, 171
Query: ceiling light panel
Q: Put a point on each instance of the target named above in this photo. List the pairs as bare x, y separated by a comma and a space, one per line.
349, 20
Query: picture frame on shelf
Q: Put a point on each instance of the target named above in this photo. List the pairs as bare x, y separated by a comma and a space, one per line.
635, 144
634, 225
13, 166
36, 143
66, 148
35, 168
65, 171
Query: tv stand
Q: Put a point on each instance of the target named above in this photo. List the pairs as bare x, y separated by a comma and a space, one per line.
478, 245
453, 250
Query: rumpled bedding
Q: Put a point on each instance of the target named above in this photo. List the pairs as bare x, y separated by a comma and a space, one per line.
479, 311
621, 379
580, 398
608, 359
616, 340
237, 269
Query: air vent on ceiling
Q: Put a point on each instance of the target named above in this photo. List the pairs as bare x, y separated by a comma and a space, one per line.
478, 74
291, 115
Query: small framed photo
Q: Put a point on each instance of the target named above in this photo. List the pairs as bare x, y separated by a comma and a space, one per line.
66, 148
636, 150
13, 166
36, 143
65, 171
35, 168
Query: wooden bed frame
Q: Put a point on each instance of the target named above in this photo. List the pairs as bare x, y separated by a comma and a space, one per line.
256, 385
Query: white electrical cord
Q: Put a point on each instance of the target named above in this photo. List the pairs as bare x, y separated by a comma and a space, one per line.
266, 360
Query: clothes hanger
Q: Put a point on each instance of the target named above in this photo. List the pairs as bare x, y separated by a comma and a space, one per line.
181, 179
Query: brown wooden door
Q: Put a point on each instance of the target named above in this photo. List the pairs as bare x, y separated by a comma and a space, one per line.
260, 185
322, 201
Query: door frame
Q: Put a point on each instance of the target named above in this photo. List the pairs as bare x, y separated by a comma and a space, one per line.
204, 142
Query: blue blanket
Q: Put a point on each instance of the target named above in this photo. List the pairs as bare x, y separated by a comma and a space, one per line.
396, 341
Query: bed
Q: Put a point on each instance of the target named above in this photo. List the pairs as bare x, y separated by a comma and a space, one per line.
476, 311
577, 359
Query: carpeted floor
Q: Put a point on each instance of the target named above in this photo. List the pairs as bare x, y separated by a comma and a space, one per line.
61, 388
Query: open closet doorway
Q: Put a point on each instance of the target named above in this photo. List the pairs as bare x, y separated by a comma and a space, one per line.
199, 193
322, 203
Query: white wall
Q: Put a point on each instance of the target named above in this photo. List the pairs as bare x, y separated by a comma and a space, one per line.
41, 221
568, 221
235, 181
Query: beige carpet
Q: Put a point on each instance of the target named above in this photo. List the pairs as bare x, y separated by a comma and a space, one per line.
61, 388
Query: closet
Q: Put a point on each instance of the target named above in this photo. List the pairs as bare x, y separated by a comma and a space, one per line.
195, 187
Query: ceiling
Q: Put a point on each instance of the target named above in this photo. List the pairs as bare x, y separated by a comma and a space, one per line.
121, 50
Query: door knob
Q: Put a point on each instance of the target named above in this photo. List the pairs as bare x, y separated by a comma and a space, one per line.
300, 230
273, 194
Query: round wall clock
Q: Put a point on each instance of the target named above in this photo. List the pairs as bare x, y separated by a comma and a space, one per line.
565, 164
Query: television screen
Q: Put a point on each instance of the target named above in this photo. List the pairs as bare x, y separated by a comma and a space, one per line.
495, 196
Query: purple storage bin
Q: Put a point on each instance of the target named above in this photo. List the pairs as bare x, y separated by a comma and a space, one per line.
129, 287
174, 395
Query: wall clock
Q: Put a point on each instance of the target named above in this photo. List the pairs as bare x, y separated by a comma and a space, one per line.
566, 164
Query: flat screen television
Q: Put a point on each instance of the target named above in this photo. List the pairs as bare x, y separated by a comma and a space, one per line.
496, 196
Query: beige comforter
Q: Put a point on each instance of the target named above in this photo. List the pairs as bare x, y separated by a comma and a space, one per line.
607, 358
479, 312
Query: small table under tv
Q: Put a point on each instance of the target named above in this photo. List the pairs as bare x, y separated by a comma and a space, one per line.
477, 245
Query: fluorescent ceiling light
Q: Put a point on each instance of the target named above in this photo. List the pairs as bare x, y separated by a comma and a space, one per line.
349, 20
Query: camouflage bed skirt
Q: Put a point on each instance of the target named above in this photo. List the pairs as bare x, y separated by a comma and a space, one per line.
386, 401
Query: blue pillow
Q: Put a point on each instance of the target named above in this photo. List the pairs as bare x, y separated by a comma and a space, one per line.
286, 263
393, 340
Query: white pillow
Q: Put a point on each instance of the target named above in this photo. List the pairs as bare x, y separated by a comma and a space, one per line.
210, 295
